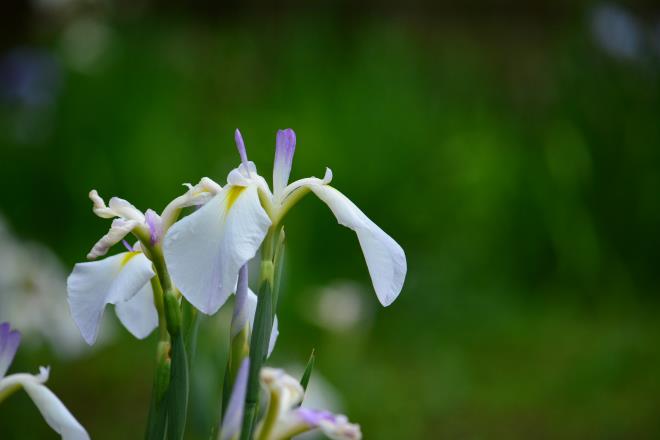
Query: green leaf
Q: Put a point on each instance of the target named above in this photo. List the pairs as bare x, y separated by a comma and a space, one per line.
304, 380
263, 324
157, 420
177, 394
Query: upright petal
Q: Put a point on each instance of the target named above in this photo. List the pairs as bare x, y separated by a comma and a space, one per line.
385, 259
92, 285
99, 207
251, 311
139, 314
205, 250
231, 423
9, 341
240, 145
285, 147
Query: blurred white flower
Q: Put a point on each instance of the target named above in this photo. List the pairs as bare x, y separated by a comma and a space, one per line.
616, 31
33, 294
339, 307
85, 43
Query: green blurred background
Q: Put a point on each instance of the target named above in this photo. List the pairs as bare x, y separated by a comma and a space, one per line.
512, 150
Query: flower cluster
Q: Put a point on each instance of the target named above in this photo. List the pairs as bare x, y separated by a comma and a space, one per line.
181, 265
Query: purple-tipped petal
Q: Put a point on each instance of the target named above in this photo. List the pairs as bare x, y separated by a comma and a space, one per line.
314, 417
285, 147
231, 424
240, 145
9, 342
155, 224
334, 426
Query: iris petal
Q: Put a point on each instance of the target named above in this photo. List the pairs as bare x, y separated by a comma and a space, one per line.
112, 280
385, 259
205, 250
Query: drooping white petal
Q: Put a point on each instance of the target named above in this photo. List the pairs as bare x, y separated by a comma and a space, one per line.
119, 229
285, 147
52, 409
231, 423
92, 285
205, 250
385, 259
139, 314
251, 306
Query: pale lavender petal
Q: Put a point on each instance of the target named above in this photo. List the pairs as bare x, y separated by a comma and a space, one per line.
231, 424
314, 417
285, 147
155, 225
334, 426
239, 318
9, 341
240, 145
128, 247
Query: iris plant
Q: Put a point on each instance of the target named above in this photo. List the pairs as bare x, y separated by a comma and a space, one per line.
178, 267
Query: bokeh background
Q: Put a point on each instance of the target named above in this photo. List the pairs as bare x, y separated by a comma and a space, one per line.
511, 147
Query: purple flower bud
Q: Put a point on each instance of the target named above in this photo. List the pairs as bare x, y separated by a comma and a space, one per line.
231, 424
155, 225
9, 341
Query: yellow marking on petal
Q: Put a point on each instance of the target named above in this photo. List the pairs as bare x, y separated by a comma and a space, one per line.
234, 193
127, 258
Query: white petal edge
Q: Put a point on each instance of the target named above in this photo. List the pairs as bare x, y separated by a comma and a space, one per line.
93, 285
385, 259
119, 229
205, 250
139, 314
51, 407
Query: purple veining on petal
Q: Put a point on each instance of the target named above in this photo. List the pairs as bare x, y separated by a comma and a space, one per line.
9, 342
285, 147
128, 247
240, 145
155, 225
239, 317
314, 417
233, 419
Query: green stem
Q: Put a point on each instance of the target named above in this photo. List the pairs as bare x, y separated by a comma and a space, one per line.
263, 325
171, 384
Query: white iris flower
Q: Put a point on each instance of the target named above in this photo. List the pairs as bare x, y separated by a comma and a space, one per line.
205, 250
